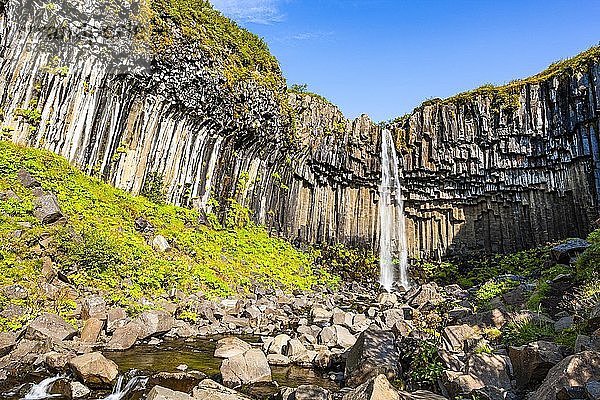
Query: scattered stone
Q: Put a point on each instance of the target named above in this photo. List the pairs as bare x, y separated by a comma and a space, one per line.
458, 384
532, 362
50, 326
278, 359
231, 346
279, 344
178, 381
563, 253
320, 315
211, 390
308, 392
576, 370
585, 343
94, 369
124, 338
162, 393
377, 388
153, 322
249, 367
94, 307
47, 209
8, 341
142, 225
387, 299
592, 390
563, 323
428, 294
161, 244
491, 369
116, 317
9, 195
374, 353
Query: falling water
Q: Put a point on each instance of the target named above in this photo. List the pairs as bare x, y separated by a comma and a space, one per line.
119, 392
41, 390
391, 218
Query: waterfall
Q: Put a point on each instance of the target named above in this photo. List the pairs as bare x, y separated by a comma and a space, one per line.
134, 384
392, 242
42, 390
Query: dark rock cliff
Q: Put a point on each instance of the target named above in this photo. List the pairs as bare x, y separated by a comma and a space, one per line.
487, 171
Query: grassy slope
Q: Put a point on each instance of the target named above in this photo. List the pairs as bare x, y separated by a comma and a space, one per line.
101, 241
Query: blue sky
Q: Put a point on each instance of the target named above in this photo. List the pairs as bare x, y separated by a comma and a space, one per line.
384, 57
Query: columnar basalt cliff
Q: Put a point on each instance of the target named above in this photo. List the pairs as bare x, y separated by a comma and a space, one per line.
495, 170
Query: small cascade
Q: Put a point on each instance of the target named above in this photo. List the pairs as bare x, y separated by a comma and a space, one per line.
119, 392
42, 390
393, 253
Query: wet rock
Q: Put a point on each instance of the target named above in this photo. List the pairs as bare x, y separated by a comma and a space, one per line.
179, 381
585, 343
91, 330
154, 322
278, 359
249, 367
49, 326
8, 341
211, 390
592, 390
79, 390
94, 369
47, 209
376, 388
576, 370
61, 388
374, 353
532, 362
94, 307
231, 346
15, 292
279, 344
455, 337
159, 243
27, 180
57, 361
161, 393
124, 338
307, 392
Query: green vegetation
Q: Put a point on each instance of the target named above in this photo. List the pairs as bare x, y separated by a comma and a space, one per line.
153, 188
506, 97
587, 263
522, 331
494, 288
100, 247
426, 366
302, 90
245, 55
350, 264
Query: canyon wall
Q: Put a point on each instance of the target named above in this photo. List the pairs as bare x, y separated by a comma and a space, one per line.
481, 173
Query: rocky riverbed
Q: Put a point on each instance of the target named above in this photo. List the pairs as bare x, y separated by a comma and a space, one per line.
351, 343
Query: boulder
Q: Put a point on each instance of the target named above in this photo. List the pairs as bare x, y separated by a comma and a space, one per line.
387, 299
154, 322
79, 390
428, 294
159, 243
250, 367
179, 381
376, 388
592, 390
594, 319
9, 195
116, 317
373, 354
307, 392
491, 369
563, 253
162, 393
211, 390
46, 208
563, 323
576, 370
94, 369
344, 338
532, 362
279, 344
320, 315
458, 384
297, 352
94, 307
584, 342
91, 330
142, 225
27, 180
421, 395
15, 292
231, 346
455, 337
8, 341
50, 326
124, 338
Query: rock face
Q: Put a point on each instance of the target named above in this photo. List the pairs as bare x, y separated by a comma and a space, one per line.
479, 170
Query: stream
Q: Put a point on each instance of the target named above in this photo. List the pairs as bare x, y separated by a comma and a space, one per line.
146, 360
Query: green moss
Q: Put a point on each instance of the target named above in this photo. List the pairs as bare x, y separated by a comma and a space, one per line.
494, 288
101, 244
245, 55
521, 332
